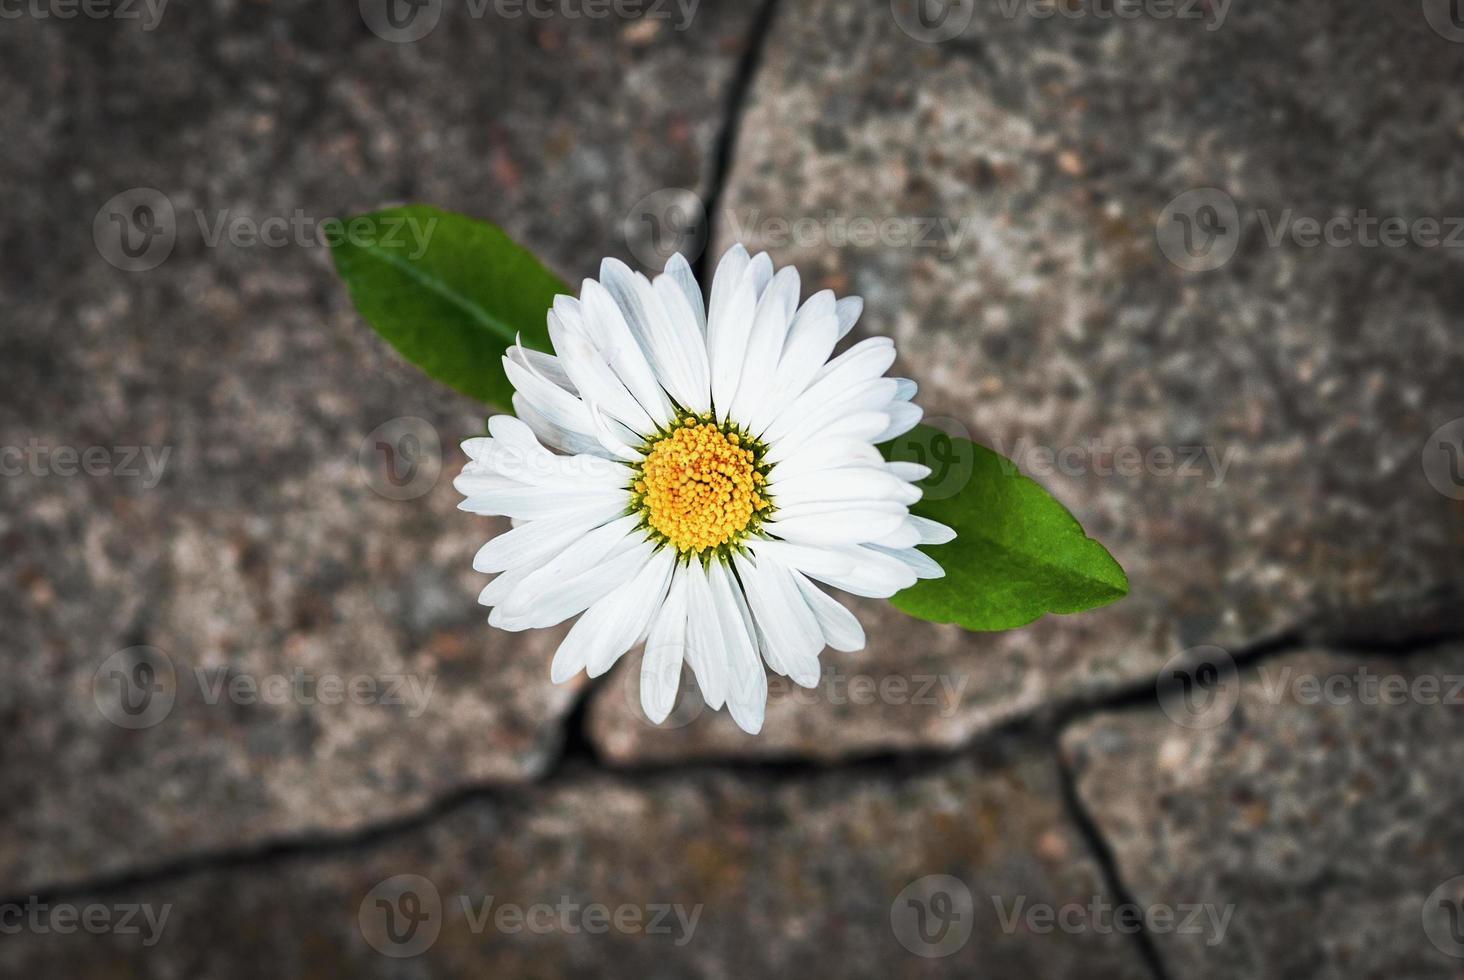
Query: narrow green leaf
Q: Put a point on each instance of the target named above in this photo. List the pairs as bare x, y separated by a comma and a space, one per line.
1018, 552
450, 292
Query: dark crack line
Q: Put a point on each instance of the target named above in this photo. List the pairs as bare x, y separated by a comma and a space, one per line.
1102, 853
726, 146
578, 759
568, 773
579, 745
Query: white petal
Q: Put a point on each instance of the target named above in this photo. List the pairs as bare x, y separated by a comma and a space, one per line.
841, 630
609, 440
678, 270
829, 400
873, 575
849, 308
782, 614
727, 334
669, 356
862, 426
644, 595
595, 380
759, 273
913, 472
549, 366
567, 440
835, 527
932, 532
922, 564
542, 602
843, 484
904, 536
826, 454
534, 542
725, 281
531, 503
660, 675
623, 351
867, 359
811, 340
550, 401
691, 336
609, 627
706, 650
587, 552
747, 690
765, 343
903, 418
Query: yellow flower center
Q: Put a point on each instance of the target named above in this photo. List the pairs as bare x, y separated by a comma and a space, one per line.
700, 486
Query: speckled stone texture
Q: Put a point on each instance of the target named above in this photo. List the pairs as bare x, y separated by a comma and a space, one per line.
793, 877
1324, 809
1247, 441
1018, 173
261, 549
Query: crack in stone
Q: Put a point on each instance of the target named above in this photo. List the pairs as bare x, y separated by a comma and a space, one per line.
726, 146
1103, 856
578, 758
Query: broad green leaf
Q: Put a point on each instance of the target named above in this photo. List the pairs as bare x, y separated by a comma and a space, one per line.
1018, 552
450, 292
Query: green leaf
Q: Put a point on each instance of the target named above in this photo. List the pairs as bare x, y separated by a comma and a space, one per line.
1018, 552
450, 292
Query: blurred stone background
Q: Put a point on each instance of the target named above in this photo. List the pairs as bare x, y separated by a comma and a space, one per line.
1083, 223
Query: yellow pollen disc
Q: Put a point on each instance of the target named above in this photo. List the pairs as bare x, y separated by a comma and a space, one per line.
700, 488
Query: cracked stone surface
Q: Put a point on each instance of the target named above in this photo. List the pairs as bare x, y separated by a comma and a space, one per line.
791, 876
1044, 318
261, 551
1317, 797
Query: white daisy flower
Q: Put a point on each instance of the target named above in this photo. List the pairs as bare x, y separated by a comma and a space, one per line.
683, 477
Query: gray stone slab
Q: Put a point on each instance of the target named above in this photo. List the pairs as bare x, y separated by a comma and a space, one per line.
262, 546
1249, 441
772, 875
1315, 797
